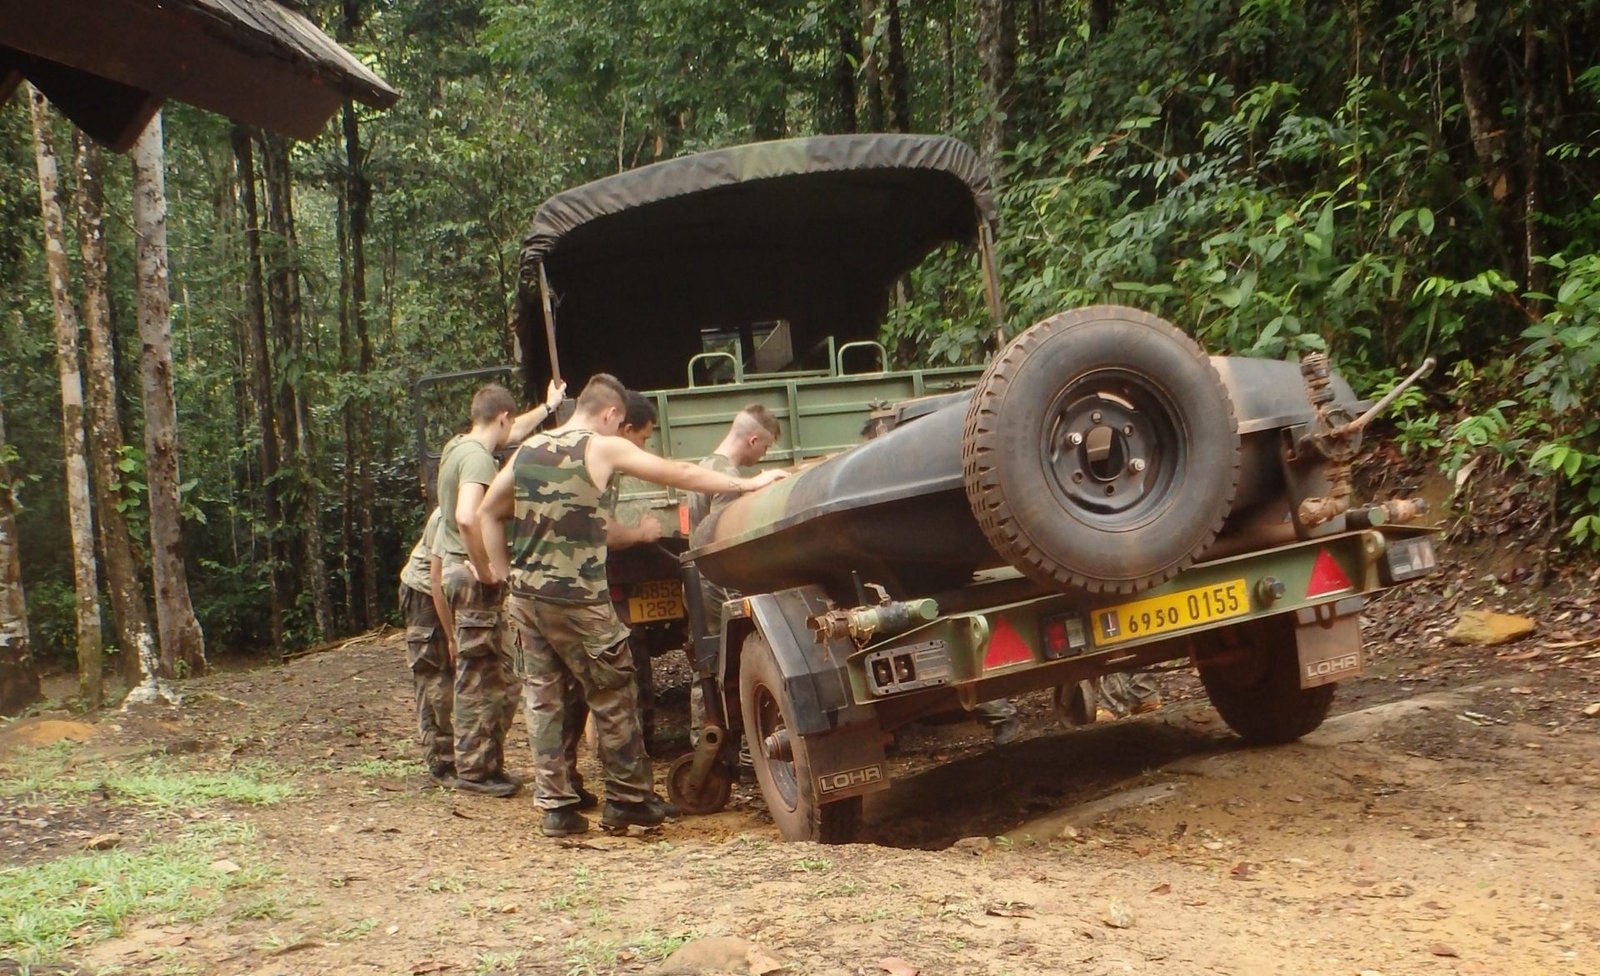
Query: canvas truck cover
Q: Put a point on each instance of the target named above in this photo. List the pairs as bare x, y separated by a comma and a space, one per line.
809, 231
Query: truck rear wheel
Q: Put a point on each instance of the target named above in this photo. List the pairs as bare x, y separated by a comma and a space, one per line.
788, 786
1101, 452
1251, 675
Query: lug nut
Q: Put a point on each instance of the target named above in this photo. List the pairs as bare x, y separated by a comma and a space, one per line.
1095, 417
1136, 465
1127, 430
1074, 438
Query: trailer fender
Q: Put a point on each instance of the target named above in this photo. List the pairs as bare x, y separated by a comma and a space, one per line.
815, 674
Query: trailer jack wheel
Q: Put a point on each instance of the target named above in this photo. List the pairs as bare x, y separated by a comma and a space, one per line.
712, 794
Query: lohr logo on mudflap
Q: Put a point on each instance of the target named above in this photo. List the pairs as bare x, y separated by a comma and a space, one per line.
849, 779
1318, 671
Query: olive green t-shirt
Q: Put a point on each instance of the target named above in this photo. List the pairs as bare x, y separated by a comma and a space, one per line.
464, 462
702, 504
416, 574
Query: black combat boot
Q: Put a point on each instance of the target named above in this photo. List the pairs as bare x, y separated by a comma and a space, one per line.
645, 813
442, 772
499, 785
563, 822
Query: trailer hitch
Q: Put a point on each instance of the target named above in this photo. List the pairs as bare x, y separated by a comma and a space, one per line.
1339, 437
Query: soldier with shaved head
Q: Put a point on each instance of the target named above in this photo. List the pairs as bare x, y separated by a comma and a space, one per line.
554, 494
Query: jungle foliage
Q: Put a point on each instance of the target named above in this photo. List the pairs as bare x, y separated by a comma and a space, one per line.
1390, 180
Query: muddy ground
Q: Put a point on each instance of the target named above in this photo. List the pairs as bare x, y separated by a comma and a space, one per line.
1445, 821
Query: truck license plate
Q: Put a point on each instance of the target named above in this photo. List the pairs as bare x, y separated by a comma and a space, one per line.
1175, 611
655, 600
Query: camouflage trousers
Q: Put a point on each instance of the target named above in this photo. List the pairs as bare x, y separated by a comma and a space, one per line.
485, 686
433, 674
559, 645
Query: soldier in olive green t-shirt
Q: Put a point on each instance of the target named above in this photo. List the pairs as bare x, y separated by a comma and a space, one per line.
485, 687
428, 656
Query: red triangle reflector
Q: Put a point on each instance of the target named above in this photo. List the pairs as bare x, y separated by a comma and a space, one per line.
1327, 577
1006, 646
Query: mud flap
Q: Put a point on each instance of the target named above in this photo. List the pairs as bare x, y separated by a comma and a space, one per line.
847, 762
1330, 650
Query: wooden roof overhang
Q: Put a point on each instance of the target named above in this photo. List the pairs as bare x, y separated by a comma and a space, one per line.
109, 64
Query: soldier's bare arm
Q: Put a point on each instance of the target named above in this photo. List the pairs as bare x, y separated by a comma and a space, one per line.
441, 605
524, 423
608, 455
621, 536
486, 543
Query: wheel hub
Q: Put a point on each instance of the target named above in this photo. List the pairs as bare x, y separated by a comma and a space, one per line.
1101, 452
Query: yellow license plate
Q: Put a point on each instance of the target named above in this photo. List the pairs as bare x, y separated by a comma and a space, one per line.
1175, 611
656, 600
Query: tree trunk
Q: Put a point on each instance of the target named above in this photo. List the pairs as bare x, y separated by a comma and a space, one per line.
997, 65
1100, 14
19, 682
947, 53
85, 578
261, 378
871, 81
1533, 125
130, 614
845, 58
289, 326
360, 196
183, 648
896, 81
347, 527
1483, 119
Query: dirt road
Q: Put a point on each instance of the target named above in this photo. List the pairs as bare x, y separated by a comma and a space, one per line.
1446, 822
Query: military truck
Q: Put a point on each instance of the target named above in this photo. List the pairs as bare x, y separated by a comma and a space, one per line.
1101, 496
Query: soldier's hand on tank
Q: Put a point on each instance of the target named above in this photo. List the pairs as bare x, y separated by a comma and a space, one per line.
554, 394
765, 478
649, 531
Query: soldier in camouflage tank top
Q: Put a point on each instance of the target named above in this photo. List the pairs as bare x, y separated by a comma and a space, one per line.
567, 628
558, 529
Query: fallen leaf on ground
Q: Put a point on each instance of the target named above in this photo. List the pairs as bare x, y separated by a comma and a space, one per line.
175, 939
1243, 871
895, 966
1011, 909
103, 842
1440, 949
1592, 710
225, 867
1161, 889
430, 966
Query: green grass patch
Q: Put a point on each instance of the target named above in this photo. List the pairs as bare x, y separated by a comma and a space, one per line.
153, 782
47, 909
389, 768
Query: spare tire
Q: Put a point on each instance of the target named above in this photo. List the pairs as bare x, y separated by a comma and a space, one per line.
1101, 452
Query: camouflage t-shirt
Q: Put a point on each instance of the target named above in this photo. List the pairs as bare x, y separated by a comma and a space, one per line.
463, 462
558, 529
416, 574
701, 504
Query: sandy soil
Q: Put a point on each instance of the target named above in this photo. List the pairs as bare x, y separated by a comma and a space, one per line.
1445, 822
